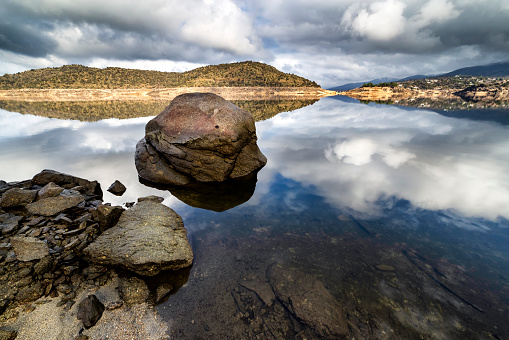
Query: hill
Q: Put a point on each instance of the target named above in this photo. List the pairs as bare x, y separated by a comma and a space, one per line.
246, 73
490, 70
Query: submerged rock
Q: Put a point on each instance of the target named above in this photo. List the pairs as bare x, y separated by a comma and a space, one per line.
309, 301
153, 238
200, 137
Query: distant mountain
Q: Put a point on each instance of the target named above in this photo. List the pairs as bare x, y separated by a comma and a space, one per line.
351, 86
491, 70
245, 73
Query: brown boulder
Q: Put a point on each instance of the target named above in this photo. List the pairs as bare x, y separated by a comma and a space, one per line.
199, 136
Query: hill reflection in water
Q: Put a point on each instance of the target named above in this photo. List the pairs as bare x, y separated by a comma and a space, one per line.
92, 111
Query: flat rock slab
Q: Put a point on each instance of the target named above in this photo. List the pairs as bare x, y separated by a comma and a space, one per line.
16, 197
50, 206
92, 188
148, 238
309, 301
29, 248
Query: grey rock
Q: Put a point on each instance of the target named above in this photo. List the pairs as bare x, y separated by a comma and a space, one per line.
147, 239
29, 248
199, 136
9, 223
107, 216
117, 188
16, 196
49, 190
92, 188
90, 311
309, 301
50, 206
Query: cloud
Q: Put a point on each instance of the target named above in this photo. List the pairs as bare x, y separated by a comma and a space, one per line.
329, 41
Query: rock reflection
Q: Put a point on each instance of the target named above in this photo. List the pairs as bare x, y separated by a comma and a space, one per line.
215, 196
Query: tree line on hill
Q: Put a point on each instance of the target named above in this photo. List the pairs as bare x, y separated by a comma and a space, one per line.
239, 74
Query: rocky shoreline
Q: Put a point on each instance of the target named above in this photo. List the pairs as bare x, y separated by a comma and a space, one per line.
50, 228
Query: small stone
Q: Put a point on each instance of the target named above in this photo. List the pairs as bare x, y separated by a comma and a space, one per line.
133, 290
30, 293
107, 216
90, 311
49, 190
9, 223
29, 248
117, 188
64, 288
163, 290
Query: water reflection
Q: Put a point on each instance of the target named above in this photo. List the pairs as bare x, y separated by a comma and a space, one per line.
398, 214
215, 196
357, 155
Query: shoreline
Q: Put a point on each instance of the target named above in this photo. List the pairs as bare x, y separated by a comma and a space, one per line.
228, 93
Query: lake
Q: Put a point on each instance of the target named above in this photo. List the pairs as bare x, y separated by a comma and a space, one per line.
394, 220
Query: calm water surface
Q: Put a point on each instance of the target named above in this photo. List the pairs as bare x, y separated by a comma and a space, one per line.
399, 215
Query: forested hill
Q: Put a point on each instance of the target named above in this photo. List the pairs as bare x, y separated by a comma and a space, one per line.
246, 73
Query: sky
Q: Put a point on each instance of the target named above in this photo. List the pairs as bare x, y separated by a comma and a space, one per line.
332, 42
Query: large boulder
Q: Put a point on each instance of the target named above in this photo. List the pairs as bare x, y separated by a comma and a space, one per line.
201, 137
148, 238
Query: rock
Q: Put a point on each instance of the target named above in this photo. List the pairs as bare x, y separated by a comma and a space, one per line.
152, 198
117, 188
30, 293
92, 188
49, 190
6, 334
309, 301
133, 290
107, 216
44, 265
29, 248
201, 137
9, 223
50, 206
90, 311
163, 290
147, 239
16, 196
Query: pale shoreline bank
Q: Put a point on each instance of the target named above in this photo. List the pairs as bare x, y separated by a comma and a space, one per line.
228, 93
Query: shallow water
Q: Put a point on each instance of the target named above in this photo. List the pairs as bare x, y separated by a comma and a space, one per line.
398, 215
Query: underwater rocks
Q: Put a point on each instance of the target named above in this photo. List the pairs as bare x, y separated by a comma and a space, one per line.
48, 221
153, 238
198, 137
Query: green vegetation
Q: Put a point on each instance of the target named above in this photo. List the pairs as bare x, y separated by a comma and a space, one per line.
92, 111
246, 73
391, 84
